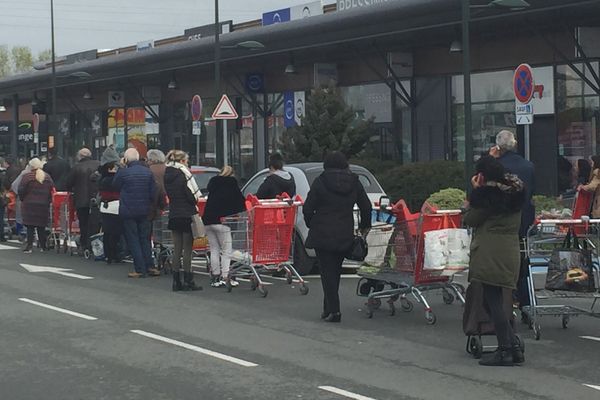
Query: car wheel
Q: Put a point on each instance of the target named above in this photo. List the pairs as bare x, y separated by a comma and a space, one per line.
303, 263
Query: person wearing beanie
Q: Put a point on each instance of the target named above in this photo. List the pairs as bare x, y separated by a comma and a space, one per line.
109, 205
35, 192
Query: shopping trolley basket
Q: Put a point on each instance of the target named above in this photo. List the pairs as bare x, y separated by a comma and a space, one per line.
544, 241
64, 227
394, 267
162, 242
262, 242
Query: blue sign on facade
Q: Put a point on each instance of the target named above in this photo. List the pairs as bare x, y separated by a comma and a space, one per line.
255, 83
289, 110
276, 17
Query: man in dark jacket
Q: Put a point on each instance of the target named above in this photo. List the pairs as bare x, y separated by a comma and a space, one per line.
58, 169
279, 181
137, 193
505, 152
80, 183
12, 172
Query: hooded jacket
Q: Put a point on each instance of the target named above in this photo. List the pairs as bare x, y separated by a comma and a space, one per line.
495, 215
329, 210
224, 199
278, 182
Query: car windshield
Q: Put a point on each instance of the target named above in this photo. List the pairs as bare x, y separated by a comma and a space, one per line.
367, 180
202, 178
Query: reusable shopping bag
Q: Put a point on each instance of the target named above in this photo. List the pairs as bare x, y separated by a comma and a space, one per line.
447, 250
570, 267
198, 229
109, 207
97, 243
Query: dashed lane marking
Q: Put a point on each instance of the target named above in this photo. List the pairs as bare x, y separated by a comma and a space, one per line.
60, 310
345, 393
197, 349
590, 338
592, 386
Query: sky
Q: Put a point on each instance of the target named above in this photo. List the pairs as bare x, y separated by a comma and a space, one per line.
107, 24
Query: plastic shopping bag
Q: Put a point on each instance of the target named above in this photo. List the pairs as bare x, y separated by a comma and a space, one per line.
97, 242
447, 251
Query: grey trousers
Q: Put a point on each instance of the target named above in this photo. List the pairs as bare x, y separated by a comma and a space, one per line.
183, 242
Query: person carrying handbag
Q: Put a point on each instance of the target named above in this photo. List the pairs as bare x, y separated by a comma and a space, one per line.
329, 215
109, 205
183, 194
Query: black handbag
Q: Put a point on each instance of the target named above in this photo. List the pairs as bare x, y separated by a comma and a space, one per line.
359, 249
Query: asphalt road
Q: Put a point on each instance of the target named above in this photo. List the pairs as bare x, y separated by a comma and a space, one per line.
135, 339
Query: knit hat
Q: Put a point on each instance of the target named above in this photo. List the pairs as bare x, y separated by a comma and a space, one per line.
110, 155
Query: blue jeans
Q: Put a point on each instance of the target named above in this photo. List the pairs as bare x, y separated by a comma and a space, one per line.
137, 235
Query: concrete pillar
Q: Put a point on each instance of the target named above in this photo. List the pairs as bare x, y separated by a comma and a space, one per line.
14, 133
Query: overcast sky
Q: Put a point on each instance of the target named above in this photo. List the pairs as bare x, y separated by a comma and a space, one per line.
106, 24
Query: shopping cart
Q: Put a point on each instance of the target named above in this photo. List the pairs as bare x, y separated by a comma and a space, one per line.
201, 248
64, 227
543, 238
162, 243
394, 269
262, 242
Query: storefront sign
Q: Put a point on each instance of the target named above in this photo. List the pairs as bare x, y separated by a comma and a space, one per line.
293, 108
543, 91
344, 5
255, 83
4, 127
207, 30
145, 45
292, 13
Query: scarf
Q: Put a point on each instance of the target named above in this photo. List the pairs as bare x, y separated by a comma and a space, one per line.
191, 182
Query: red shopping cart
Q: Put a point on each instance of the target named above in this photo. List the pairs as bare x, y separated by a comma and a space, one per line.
394, 267
262, 242
64, 225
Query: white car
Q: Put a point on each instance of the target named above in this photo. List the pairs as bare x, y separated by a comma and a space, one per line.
304, 175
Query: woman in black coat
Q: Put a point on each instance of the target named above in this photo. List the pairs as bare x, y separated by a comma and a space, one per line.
329, 215
183, 194
109, 205
224, 199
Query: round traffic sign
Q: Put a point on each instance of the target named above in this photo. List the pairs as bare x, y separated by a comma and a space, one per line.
196, 108
523, 84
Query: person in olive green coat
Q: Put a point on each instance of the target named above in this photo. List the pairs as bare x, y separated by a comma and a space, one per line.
494, 213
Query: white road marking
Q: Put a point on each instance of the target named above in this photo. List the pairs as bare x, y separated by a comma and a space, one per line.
590, 338
345, 393
5, 247
197, 349
53, 270
592, 386
61, 310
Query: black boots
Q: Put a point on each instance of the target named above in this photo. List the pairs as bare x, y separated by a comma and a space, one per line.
334, 317
188, 282
504, 357
177, 286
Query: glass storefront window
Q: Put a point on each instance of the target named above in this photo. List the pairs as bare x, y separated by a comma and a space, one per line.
578, 117
493, 109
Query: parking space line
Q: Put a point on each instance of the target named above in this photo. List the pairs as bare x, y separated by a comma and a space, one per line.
345, 393
197, 349
592, 386
590, 338
61, 310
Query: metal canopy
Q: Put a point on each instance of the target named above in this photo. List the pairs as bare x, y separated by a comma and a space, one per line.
410, 23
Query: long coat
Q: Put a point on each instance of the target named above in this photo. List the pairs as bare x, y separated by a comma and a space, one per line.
80, 183
36, 198
329, 210
495, 216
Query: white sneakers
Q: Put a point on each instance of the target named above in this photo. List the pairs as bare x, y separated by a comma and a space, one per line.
221, 282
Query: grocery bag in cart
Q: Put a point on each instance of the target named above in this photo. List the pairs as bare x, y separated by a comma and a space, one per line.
447, 250
570, 267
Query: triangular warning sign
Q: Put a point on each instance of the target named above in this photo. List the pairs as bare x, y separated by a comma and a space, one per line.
225, 109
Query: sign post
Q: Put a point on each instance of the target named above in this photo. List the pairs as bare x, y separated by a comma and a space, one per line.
36, 132
225, 111
197, 123
523, 87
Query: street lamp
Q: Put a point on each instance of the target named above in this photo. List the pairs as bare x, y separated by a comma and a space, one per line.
58, 142
513, 5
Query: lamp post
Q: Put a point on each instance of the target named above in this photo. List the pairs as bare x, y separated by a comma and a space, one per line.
53, 125
218, 75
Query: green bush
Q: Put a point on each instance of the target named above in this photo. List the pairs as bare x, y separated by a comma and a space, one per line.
448, 199
415, 182
545, 203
